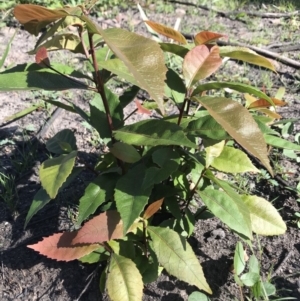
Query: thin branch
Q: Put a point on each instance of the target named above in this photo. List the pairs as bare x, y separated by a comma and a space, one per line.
236, 13
268, 53
285, 259
100, 86
181, 111
90, 277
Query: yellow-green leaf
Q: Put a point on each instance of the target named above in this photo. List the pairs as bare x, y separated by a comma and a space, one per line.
234, 161
124, 281
265, 219
246, 55
54, 172
213, 151
177, 257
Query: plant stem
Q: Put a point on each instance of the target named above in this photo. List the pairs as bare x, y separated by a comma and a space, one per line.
192, 192
145, 238
100, 86
181, 111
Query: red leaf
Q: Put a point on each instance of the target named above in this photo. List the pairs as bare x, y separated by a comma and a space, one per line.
206, 37
101, 228
35, 17
167, 31
58, 246
41, 57
200, 62
262, 103
153, 208
141, 109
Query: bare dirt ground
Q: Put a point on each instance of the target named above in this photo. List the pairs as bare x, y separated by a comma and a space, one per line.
25, 275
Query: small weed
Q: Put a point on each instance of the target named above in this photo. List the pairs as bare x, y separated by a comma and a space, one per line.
8, 191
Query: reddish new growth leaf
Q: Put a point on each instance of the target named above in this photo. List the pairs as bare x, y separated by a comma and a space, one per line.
262, 103
58, 246
153, 208
167, 31
141, 109
206, 37
41, 57
199, 63
101, 228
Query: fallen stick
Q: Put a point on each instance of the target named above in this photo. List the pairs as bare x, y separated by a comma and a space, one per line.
265, 52
248, 13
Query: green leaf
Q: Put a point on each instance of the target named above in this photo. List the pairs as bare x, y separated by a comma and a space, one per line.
97, 192
67, 41
149, 269
246, 55
130, 196
239, 259
270, 288
239, 124
40, 200
233, 161
174, 48
197, 296
249, 279
206, 127
61, 105
153, 133
98, 117
263, 126
281, 143
254, 266
175, 87
24, 112
96, 256
234, 86
168, 161
124, 281
63, 142
117, 67
228, 206
143, 58
128, 96
265, 219
38, 80
199, 63
125, 152
54, 172
226, 209
177, 257
7, 49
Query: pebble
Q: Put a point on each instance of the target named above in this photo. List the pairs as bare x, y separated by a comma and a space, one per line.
218, 233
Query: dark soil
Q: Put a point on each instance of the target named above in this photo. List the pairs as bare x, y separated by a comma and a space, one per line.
25, 275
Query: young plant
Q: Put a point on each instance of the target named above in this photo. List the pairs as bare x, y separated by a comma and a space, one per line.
259, 289
155, 171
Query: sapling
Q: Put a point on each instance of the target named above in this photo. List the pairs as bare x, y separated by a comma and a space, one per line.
155, 171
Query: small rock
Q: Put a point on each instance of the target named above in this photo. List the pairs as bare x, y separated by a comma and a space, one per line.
218, 233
